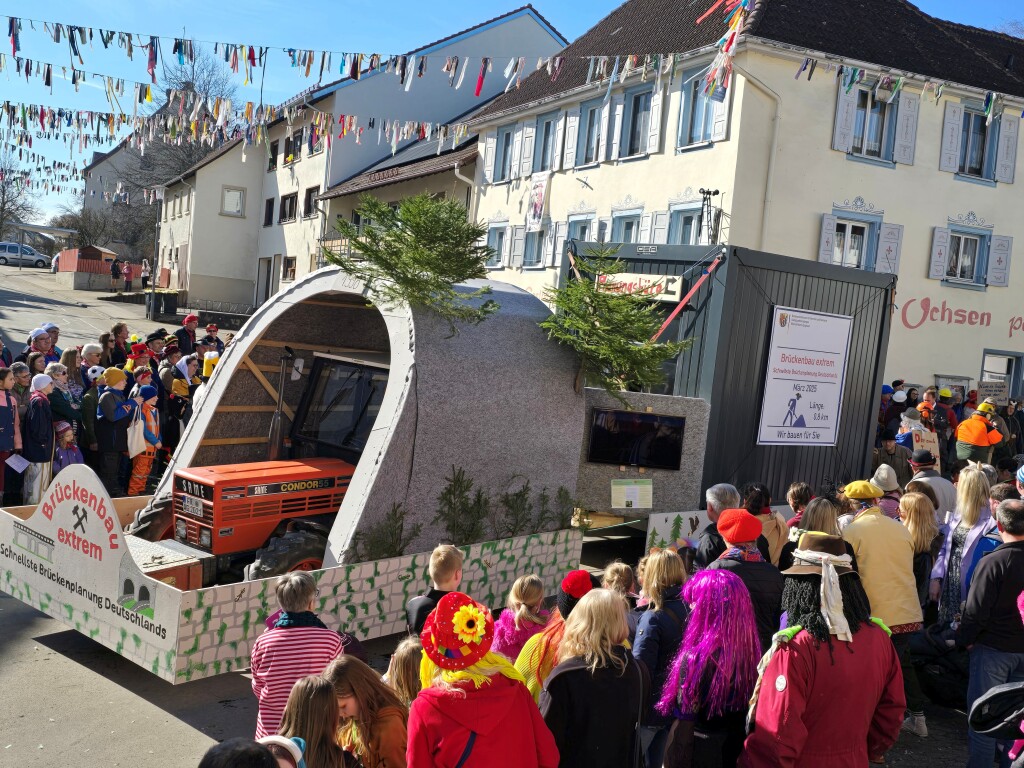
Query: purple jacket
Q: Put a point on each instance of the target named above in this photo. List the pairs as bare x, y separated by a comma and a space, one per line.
65, 457
985, 525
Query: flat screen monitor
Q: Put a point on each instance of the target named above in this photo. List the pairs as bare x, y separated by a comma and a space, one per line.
636, 439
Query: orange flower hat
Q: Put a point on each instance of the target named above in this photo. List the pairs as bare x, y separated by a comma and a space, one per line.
458, 633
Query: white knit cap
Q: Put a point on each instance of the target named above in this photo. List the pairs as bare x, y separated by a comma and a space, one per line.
40, 382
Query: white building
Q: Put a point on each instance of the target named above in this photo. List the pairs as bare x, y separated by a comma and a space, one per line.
283, 206
860, 160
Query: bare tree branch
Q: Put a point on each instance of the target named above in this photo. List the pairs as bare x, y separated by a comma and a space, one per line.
17, 202
1014, 28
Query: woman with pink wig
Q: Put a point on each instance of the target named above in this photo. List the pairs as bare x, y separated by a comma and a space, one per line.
713, 674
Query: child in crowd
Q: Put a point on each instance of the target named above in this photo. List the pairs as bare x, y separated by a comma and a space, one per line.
713, 674
404, 670
445, 571
618, 577
10, 424
311, 717
66, 452
473, 709
798, 496
142, 464
540, 654
373, 719
37, 440
523, 617
287, 752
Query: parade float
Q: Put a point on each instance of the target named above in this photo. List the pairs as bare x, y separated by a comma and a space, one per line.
381, 431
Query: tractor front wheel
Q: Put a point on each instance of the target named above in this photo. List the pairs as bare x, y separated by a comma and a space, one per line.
294, 551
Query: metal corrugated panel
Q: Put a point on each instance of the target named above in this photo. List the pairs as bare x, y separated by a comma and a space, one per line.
754, 283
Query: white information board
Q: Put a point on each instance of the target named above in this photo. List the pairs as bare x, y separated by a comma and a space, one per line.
803, 391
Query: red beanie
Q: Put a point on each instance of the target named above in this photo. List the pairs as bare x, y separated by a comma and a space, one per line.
738, 526
574, 586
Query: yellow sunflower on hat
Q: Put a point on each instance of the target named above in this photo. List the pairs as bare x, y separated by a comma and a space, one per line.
469, 624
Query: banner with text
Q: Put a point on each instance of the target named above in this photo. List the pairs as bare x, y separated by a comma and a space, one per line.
803, 391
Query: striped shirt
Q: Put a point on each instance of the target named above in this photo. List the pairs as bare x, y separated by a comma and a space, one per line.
280, 658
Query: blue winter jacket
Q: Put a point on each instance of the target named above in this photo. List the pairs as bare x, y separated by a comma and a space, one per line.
657, 640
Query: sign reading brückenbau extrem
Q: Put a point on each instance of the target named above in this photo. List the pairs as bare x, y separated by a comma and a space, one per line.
803, 391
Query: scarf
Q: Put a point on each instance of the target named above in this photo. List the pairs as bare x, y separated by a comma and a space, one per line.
745, 553
298, 619
37, 395
478, 674
182, 365
831, 596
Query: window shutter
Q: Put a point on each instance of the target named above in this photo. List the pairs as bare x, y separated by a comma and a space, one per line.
517, 151
1006, 154
549, 245
940, 250
999, 260
606, 130
506, 248
644, 236
604, 229
846, 112
828, 238
906, 128
618, 112
949, 154
659, 231
529, 131
561, 230
654, 133
572, 130
556, 160
489, 145
720, 119
518, 246
890, 241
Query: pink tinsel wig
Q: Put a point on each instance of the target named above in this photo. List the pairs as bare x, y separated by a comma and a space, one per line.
716, 667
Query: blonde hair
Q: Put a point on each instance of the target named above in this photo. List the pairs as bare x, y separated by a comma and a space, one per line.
312, 714
596, 626
663, 571
445, 562
641, 569
971, 495
295, 590
618, 577
404, 672
524, 600
919, 517
821, 515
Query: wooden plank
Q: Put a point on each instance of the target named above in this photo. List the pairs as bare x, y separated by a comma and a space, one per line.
245, 409
233, 441
319, 347
255, 369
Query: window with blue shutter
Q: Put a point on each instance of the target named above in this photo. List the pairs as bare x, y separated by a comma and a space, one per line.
503, 153
967, 257
545, 145
851, 240
637, 121
533, 256
590, 144
697, 111
626, 228
496, 237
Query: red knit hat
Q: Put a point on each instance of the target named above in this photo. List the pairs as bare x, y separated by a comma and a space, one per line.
572, 589
458, 633
139, 350
738, 526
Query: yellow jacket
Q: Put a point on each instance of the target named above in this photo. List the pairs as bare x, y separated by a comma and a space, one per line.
885, 562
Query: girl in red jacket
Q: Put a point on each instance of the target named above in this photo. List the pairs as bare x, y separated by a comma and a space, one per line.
474, 710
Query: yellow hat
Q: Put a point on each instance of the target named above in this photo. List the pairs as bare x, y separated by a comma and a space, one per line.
113, 376
863, 489
987, 408
945, 392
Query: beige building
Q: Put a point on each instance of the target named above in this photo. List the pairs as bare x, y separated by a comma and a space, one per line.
879, 155
209, 227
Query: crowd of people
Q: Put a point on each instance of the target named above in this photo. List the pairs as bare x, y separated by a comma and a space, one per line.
773, 640
118, 405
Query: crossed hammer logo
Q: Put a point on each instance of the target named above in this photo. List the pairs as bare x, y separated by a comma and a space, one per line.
81, 515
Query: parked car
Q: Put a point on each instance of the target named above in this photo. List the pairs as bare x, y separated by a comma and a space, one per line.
29, 256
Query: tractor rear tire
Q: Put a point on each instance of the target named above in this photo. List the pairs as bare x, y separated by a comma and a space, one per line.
294, 551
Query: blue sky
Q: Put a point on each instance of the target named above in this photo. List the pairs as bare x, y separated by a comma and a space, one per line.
387, 27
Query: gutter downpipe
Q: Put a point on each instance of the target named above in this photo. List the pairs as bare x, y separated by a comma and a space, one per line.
466, 180
770, 175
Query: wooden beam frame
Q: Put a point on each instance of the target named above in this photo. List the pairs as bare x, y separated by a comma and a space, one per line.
233, 441
255, 370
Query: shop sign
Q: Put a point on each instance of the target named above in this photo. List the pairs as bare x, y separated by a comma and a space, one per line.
657, 287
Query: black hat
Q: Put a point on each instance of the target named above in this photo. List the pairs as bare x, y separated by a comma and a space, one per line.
888, 434
922, 457
208, 341
999, 712
158, 335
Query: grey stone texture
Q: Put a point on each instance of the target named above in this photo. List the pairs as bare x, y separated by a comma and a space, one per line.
673, 491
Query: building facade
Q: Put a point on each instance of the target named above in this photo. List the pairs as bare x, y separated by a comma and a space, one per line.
877, 156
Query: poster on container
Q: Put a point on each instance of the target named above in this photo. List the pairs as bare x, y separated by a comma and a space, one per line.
803, 390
